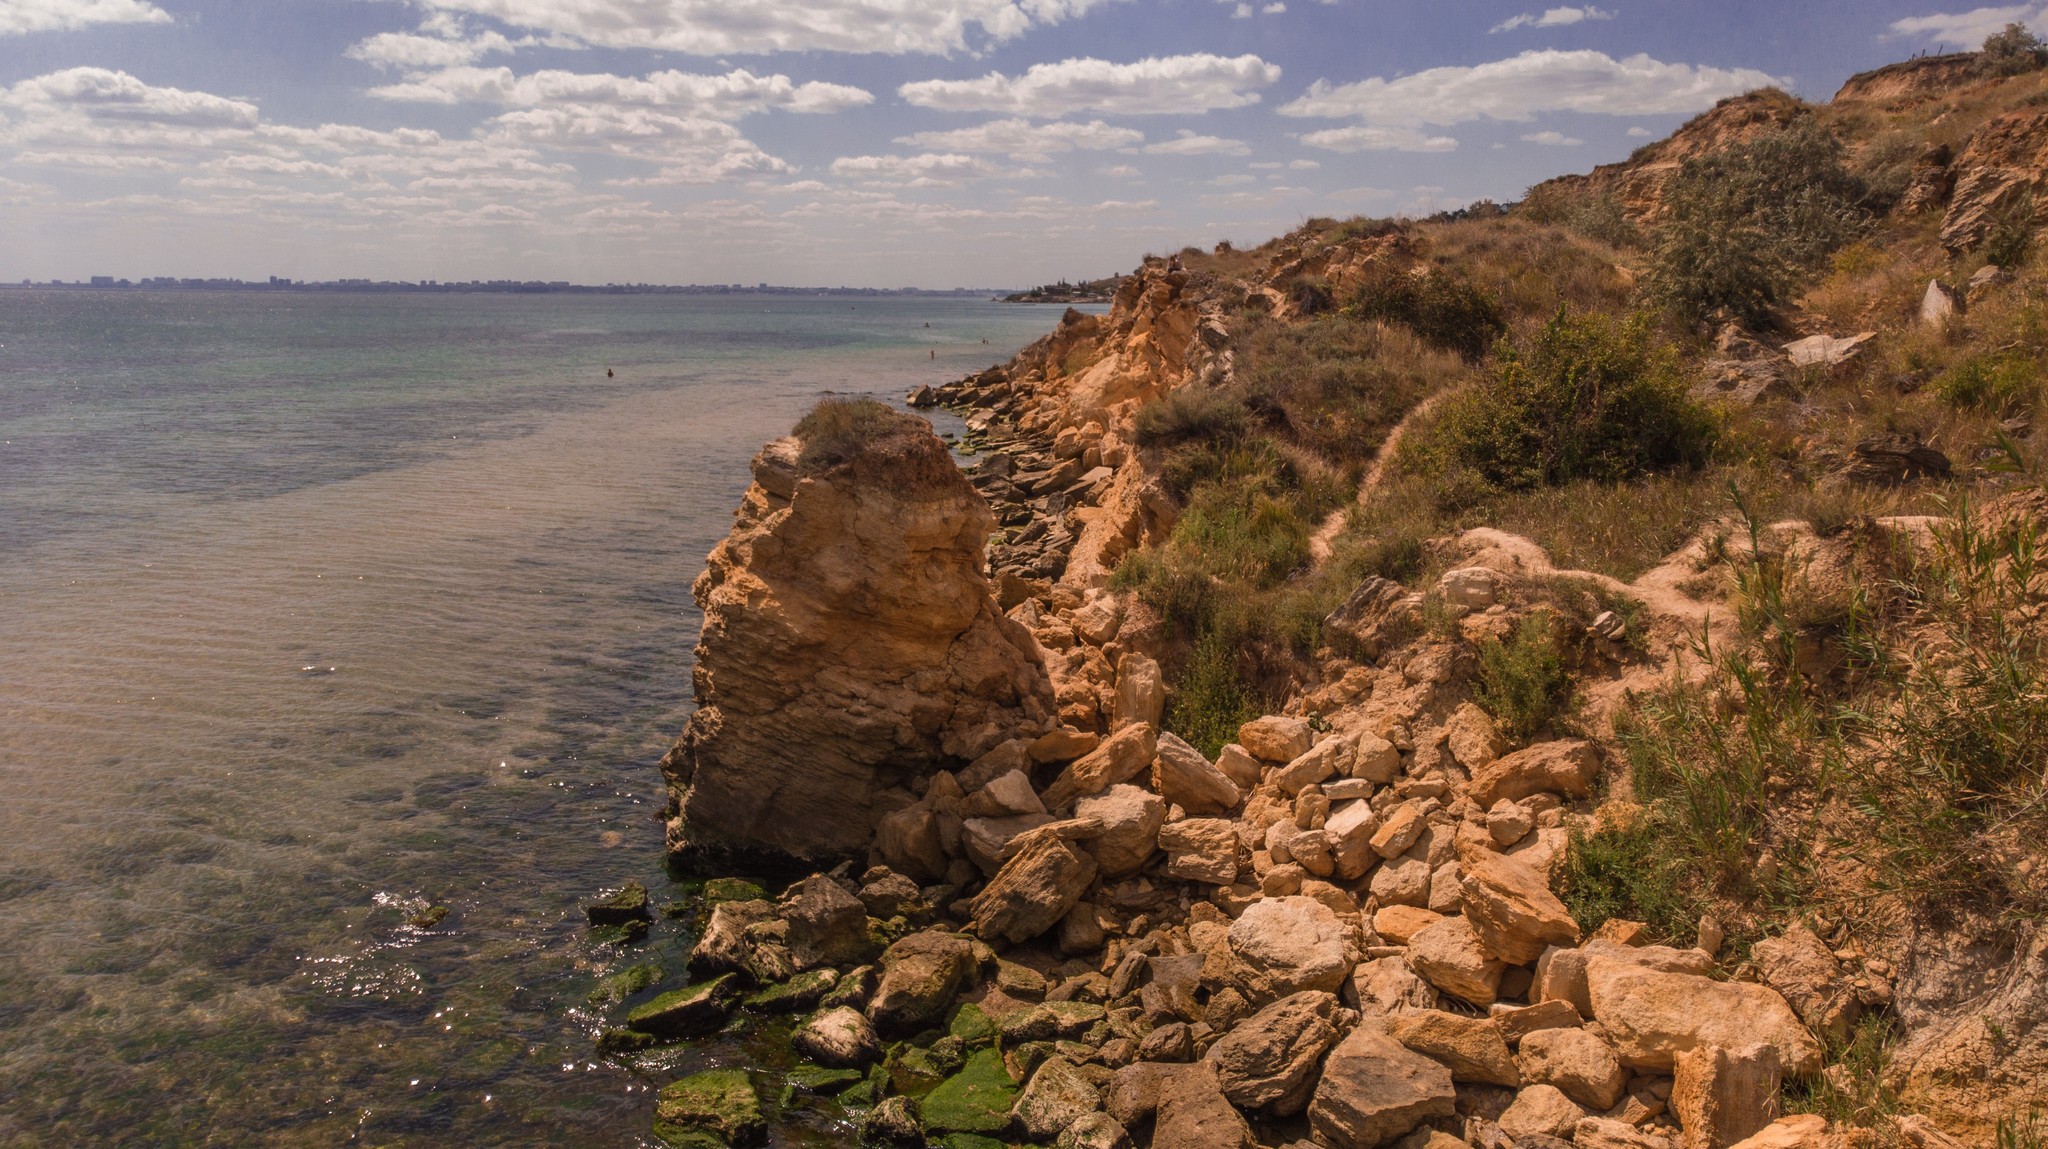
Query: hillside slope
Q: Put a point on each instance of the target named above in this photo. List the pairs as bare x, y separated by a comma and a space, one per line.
1848, 517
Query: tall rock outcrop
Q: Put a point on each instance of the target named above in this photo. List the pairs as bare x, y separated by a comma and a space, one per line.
850, 646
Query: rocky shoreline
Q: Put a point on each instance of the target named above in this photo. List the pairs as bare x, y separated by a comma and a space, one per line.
1088, 933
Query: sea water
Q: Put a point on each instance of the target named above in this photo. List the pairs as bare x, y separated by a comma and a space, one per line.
320, 611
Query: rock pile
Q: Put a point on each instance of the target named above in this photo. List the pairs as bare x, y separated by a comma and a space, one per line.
1320, 938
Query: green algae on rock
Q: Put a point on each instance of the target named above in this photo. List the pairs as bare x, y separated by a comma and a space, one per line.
628, 905
975, 1100
802, 992
694, 1009
623, 984
715, 1109
732, 890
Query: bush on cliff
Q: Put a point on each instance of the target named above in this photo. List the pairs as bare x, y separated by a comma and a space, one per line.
1440, 306
2012, 51
1589, 398
837, 431
1749, 223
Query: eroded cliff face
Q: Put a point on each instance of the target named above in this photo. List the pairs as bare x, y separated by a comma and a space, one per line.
850, 646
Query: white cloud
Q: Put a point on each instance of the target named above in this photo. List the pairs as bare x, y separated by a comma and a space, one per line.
1969, 29
1273, 9
734, 94
1021, 139
1122, 172
931, 169
1552, 140
116, 97
1553, 18
717, 27
1292, 165
1154, 86
414, 50
1378, 138
1640, 133
1520, 87
20, 16
1188, 143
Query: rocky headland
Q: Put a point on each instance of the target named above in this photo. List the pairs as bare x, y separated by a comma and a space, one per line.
1508, 850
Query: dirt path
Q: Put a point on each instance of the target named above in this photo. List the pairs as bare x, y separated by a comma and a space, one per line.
1325, 538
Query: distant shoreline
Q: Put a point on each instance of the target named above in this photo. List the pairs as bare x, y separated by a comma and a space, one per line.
506, 287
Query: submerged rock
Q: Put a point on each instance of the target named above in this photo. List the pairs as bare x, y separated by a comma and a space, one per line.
628, 905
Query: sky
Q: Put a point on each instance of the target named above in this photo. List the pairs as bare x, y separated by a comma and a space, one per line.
873, 143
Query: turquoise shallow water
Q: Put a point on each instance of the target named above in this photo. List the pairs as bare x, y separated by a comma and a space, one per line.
317, 611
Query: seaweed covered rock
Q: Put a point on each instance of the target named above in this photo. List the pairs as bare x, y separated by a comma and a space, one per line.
850, 643
709, 1110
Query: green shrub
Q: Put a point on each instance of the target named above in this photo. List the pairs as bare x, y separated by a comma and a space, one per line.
1948, 752
837, 431
1748, 223
1629, 873
2012, 51
1522, 682
1193, 413
1589, 399
1210, 700
1438, 305
2011, 237
1999, 383
1334, 384
1597, 217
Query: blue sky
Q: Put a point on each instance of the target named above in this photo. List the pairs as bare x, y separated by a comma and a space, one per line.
864, 142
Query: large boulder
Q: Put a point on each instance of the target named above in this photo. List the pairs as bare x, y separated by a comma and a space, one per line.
1275, 739
850, 640
840, 1038
1541, 1111
1567, 767
1511, 908
1448, 954
1652, 1017
1472, 1048
1056, 1096
921, 975
717, 1106
1800, 966
1130, 819
1184, 777
1721, 1096
827, 925
1121, 757
1282, 946
1576, 1062
1375, 1090
1033, 891
1201, 850
1193, 1113
1561, 972
1269, 1060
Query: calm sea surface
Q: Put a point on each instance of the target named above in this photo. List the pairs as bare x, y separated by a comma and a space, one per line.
319, 611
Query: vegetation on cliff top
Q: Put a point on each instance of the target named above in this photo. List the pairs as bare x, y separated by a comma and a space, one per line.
1874, 741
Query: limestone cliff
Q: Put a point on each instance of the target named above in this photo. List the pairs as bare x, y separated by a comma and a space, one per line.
850, 645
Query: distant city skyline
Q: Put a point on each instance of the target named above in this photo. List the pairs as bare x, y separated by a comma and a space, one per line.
873, 143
